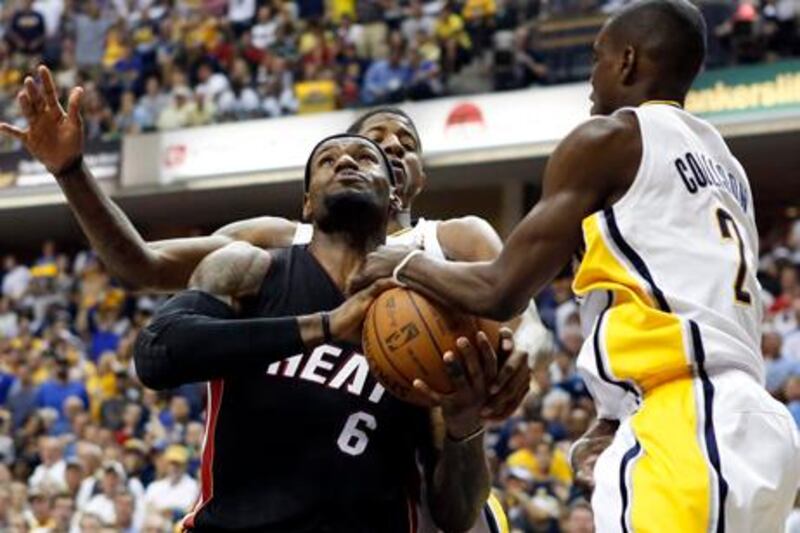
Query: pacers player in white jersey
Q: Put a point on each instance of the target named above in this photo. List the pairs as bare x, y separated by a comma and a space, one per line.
663, 214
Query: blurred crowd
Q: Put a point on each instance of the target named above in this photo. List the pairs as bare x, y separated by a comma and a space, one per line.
164, 64
85, 448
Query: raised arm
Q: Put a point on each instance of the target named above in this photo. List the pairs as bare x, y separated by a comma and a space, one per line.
55, 138
592, 167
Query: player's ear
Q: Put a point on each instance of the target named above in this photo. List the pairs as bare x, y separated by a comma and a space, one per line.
306, 207
395, 204
627, 68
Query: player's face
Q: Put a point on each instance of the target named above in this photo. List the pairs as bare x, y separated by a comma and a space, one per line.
603, 80
348, 180
395, 136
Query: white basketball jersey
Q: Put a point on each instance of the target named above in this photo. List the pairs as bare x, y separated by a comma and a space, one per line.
668, 278
424, 234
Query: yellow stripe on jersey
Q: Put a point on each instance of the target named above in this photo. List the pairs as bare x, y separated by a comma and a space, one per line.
601, 270
670, 486
640, 342
497, 514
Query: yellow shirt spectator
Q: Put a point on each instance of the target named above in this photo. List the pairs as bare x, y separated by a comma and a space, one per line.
339, 8
115, 48
452, 27
559, 468
475, 9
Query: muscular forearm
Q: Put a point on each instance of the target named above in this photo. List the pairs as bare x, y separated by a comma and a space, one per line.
460, 485
139, 264
194, 338
471, 287
109, 231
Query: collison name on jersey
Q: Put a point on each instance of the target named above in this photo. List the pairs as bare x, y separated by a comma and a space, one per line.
698, 171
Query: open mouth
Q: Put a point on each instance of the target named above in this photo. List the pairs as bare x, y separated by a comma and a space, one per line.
399, 172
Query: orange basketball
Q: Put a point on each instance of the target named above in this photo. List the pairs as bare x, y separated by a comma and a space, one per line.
405, 337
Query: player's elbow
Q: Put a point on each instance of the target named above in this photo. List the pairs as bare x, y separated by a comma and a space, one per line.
151, 362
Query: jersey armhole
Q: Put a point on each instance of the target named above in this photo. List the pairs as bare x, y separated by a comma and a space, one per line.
639, 177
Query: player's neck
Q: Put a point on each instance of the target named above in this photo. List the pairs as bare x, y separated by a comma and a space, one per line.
341, 255
400, 220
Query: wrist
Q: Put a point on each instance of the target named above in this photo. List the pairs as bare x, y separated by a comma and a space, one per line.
68, 168
463, 430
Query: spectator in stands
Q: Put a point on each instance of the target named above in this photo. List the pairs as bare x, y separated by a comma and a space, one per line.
528, 457
425, 77
22, 396
63, 511
90, 523
265, 30
210, 83
241, 14
112, 483
479, 17
453, 38
39, 514
50, 475
150, 105
177, 492
580, 518
15, 278
240, 101
417, 21
91, 27
276, 84
369, 13
56, 390
791, 395
26, 32
178, 114
386, 80
125, 513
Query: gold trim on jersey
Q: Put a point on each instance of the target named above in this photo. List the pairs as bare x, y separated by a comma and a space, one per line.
639, 342
645, 349
497, 514
673, 103
670, 483
399, 232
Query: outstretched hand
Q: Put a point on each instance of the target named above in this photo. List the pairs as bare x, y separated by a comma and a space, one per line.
53, 136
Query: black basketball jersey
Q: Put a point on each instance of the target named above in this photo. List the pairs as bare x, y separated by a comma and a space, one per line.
313, 444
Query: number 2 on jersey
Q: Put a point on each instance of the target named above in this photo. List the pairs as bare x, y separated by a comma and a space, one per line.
353, 440
726, 222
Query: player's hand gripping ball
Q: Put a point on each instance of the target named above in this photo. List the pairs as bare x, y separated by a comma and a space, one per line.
405, 337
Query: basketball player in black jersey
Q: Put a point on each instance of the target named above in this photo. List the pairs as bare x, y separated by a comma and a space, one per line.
54, 137
301, 437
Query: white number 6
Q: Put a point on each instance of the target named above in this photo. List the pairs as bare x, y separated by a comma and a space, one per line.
353, 441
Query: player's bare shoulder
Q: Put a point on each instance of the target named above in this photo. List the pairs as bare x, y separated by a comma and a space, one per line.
234, 271
600, 155
469, 238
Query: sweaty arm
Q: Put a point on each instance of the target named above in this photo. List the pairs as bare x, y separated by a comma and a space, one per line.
160, 265
594, 165
457, 478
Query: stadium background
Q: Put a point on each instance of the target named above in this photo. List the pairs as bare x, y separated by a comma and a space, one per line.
508, 77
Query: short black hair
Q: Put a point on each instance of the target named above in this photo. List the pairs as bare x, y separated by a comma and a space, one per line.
386, 164
671, 32
356, 126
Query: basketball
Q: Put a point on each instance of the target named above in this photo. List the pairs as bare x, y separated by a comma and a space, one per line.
405, 337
